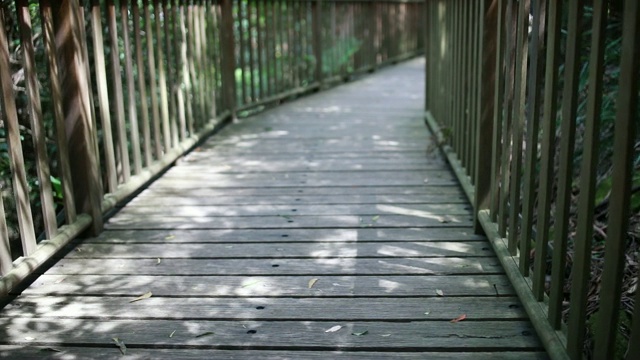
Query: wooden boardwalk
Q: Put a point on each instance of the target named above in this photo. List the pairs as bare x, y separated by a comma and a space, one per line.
327, 213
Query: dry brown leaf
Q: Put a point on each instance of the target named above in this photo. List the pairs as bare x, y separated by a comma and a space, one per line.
459, 318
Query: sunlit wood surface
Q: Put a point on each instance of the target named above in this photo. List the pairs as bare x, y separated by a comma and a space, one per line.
334, 211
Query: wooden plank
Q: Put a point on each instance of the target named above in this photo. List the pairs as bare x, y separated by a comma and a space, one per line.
272, 286
265, 309
283, 222
300, 198
436, 335
433, 191
261, 265
288, 250
418, 210
277, 235
110, 352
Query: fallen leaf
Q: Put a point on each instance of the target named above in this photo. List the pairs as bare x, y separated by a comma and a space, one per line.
29, 338
59, 281
385, 335
375, 218
333, 329
459, 318
312, 282
171, 335
121, 345
427, 312
205, 334
360, 333
142, 297
169, 237
251, 283
158, 261
439, 292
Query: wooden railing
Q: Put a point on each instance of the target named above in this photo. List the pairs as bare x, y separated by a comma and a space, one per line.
104, 95
511, 85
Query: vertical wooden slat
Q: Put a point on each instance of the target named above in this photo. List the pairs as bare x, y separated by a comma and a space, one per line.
241, 52
201, 53
103, 95
131, 88
487, 87
316, 9
622, 176
153, 88
79, 125
260, 14
16, 159
142, 88
181, 77
6, 260
496, 148
507, 118
49, 36
116, 80
251, 42
174, 70
36, 120
533, 127
576, 330
518, 123
228, 56
194, 90
547, 156
162, 79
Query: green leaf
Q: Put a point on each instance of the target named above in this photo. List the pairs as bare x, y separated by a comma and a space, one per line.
121, 345
361, 333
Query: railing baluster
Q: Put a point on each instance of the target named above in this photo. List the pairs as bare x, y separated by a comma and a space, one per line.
46, 14
533, 128
518, 123
142, 88
582, 250
16, 159
131, 88
499, 82
625, 139
122, 153
36, 119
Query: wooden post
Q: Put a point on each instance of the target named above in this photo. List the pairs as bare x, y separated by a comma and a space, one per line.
485, 127
316, 9
77, 112
228, 56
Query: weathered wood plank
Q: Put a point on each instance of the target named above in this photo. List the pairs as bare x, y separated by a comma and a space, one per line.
311, 309
296, 198
110, 352
278, 235
284, 222
434, 335
432, 191
284, 250
272, 286
418, 210
166, 266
